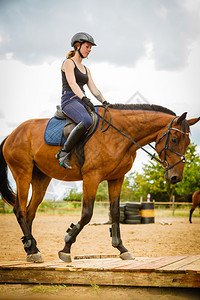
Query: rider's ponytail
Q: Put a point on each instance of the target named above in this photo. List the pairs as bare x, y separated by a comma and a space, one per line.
72, 52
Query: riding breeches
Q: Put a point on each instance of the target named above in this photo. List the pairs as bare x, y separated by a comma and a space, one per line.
75, 109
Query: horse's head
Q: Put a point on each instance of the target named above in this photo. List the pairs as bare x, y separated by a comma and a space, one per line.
171, 145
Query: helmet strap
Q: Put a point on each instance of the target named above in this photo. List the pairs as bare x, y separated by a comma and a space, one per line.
79, 51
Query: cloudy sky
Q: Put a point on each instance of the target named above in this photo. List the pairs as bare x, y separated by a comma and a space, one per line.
151, 47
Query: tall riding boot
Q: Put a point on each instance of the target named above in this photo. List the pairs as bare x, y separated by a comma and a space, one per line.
64, 154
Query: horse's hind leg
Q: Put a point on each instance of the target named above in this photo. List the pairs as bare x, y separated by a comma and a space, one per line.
39, 183
195, 202
90, 186
114, 187
191, 212
23, 180
24, 214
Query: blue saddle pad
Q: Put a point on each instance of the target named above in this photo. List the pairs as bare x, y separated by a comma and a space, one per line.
53, 131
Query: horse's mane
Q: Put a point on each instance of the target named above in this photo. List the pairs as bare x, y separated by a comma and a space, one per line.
150, 107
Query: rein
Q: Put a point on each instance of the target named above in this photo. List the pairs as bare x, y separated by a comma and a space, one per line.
122, 133
167, 167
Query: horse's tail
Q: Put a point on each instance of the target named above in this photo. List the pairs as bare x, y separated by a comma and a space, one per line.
5, 188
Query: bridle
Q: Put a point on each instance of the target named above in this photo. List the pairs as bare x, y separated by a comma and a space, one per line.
165, 148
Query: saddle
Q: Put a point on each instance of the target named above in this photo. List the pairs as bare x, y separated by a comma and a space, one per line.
70, 124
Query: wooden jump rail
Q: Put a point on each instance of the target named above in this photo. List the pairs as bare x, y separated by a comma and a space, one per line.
172, 271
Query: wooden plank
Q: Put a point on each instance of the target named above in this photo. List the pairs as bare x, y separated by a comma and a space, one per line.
97, 264
109, 265
25, 265
11, 263
193, 266
95, 256
153, 264
123, 263
136, 264
82, 277
181, 263
31, 265
104, 264
88, 264
164, 261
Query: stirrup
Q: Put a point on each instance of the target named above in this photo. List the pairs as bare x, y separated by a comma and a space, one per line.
60, 154
65, 161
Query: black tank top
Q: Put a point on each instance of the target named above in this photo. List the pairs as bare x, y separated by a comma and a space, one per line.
81, 79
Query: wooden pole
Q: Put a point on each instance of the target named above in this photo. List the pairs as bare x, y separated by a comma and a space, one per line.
173, 204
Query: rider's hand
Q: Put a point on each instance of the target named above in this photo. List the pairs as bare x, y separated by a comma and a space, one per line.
88, 103
106, 103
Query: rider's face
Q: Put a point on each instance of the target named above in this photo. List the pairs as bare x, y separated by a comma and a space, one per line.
86, 48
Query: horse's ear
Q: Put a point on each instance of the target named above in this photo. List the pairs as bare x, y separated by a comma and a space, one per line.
181, 118
193, 121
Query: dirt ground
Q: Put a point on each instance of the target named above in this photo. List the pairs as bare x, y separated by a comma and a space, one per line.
144, 240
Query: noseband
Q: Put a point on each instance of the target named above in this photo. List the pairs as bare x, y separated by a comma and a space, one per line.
165, 148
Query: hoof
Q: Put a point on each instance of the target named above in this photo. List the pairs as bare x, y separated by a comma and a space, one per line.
66, 257
126, 256
36, 258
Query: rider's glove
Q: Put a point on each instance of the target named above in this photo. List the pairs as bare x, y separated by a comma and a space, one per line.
88, 103
106, 103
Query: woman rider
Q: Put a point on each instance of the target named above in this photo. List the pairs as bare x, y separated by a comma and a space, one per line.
74, 101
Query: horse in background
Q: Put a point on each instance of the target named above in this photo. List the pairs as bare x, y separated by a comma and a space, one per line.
195, 199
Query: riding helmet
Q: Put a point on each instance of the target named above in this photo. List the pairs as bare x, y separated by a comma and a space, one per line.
82, 37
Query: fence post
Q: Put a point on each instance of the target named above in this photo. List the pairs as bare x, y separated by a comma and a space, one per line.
173, 205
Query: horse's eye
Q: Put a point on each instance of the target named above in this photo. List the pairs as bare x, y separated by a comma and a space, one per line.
174, 140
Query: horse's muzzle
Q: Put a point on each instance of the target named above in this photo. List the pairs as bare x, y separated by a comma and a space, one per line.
172, 177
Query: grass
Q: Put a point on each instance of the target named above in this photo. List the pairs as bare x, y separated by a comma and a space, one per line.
95, 288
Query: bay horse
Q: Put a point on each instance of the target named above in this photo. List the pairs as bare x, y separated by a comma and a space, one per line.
195, 203
109, 155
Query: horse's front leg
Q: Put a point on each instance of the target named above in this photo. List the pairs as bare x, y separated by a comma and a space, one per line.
114, 188
90, 186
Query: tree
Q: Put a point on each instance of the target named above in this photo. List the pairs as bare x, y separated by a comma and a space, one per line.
102, 192
74, 195
191, 174
152, 179
127, 192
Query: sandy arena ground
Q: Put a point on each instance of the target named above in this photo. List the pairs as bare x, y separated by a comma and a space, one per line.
180, 238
